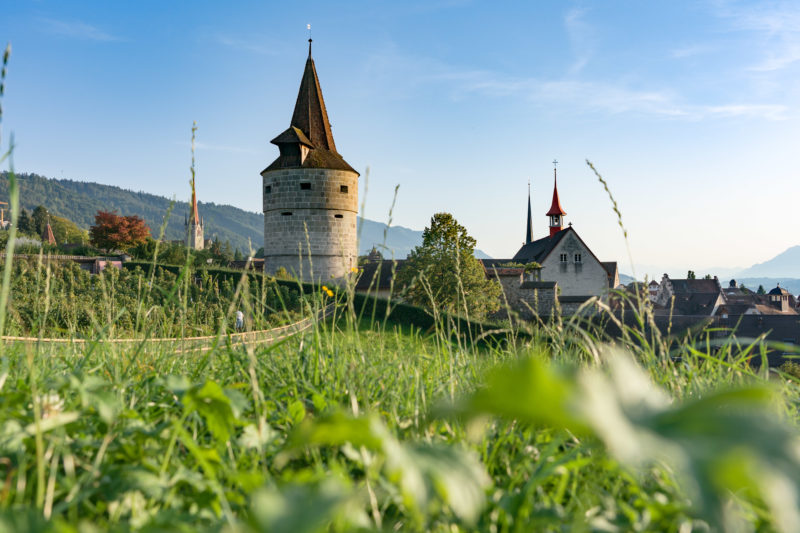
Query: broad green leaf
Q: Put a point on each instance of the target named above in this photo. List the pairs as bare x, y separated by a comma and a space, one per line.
305, 508
210, 401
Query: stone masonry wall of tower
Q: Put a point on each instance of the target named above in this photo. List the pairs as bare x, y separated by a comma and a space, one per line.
321, 202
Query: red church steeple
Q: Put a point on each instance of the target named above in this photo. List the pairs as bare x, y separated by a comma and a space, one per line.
556, 212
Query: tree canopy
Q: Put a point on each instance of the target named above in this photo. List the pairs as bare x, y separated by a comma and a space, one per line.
443, 272
116, 232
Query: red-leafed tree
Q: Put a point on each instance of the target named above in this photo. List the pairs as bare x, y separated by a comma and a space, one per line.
116, 232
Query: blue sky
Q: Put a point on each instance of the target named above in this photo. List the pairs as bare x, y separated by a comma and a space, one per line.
689, 109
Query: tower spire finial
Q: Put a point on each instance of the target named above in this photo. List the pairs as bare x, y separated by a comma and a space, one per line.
308, 27
556, 212
529, 225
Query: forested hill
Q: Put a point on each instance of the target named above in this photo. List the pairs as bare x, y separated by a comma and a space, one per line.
78, 201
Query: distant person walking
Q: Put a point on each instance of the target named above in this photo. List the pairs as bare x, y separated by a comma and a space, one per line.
239, 320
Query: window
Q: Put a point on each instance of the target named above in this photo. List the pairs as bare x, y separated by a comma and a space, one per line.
267, 189
286, 214
564, 258
577, 258
338, 216
343, 188
306, 186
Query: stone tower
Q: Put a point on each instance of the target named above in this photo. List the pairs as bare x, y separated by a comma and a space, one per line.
310, 194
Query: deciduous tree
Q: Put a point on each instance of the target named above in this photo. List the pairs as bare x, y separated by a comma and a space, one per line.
444, 272
116, 232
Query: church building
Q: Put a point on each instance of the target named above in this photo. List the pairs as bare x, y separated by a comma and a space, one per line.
310, 194
568, 267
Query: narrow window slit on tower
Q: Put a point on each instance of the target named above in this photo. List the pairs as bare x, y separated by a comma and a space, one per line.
286, 213
267, 189
306, 186
338, 216
343, 188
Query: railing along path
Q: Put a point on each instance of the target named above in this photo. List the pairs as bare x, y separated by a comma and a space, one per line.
202, 343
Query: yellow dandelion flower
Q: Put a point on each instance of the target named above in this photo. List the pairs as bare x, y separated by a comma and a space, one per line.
354, 269
330, 293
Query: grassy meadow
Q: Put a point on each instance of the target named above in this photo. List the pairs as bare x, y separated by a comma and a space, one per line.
373, 419
364, 422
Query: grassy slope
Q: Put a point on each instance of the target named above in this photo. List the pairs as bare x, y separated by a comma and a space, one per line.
156, 436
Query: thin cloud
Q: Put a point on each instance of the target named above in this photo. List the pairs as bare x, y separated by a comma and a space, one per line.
401, 75
76, 30
775, 27
581, 37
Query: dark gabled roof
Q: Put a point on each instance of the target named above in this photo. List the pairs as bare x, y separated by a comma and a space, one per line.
493, 263
310, 127
539, 249
697, 303
695, 286
611, 269
377, 275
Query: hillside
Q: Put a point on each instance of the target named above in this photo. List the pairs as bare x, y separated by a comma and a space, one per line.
783, 265
78, 201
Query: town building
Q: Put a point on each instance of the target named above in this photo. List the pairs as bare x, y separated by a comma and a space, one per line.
706, 297
558, 273
310, 194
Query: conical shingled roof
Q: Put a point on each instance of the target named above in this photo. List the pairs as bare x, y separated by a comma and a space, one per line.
529, 228
310, 127
47, 234
310, 115
555, 207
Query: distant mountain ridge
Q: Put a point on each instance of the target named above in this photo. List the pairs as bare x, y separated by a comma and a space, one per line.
784, 265
78, 201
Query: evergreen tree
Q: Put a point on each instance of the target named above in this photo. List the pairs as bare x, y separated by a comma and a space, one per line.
761, 290
690, 275
237, 255
39, 219
443, 271
24, 221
